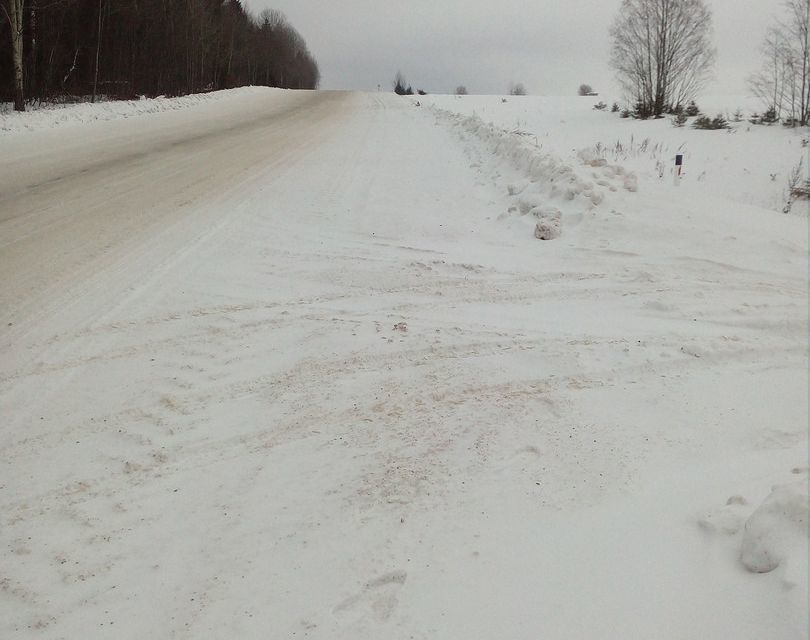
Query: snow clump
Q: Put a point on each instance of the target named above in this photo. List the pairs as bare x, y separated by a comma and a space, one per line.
777, 531
548, 226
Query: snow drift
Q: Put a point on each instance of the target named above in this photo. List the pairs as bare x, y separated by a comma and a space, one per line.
543, 177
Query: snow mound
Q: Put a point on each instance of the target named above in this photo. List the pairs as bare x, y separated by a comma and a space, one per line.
728, 520
777, 531
529, 202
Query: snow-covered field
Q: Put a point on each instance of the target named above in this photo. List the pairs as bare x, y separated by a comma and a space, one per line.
294, 365
748, 164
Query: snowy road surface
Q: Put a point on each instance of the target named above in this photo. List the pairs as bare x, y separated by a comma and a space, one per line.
68, 206
279, 367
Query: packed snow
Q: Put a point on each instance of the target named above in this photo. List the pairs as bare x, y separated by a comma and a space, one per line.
340, 365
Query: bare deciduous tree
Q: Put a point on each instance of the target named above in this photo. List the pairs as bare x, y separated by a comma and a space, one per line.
798, 32
771, 82
783, 82
662, 51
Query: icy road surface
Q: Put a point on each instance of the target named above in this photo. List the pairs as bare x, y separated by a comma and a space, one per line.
279, 366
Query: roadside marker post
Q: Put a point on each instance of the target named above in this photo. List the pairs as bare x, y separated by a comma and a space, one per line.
678, 168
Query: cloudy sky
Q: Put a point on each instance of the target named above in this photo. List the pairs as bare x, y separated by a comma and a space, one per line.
551, 46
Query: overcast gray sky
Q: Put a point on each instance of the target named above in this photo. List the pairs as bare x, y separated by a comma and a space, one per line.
551, 46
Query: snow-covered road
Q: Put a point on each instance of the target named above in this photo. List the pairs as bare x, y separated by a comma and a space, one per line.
74, 201
278, 367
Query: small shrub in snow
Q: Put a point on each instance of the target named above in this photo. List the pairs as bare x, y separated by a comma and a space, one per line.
600, 106
769, 117
615, 108
692, 109
680, 120
797, 189
703, 122
707, 123
738, 115
720, 122
625, 113
642, 111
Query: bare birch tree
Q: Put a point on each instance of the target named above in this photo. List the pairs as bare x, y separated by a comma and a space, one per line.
798, 36
783, 82
662, 51
770, 84
14, 14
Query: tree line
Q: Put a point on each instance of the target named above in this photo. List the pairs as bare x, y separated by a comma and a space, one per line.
50, 49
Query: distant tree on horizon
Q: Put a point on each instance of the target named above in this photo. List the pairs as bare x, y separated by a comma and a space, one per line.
585, 90
401, 86
662, 51
517, 89
461, 90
